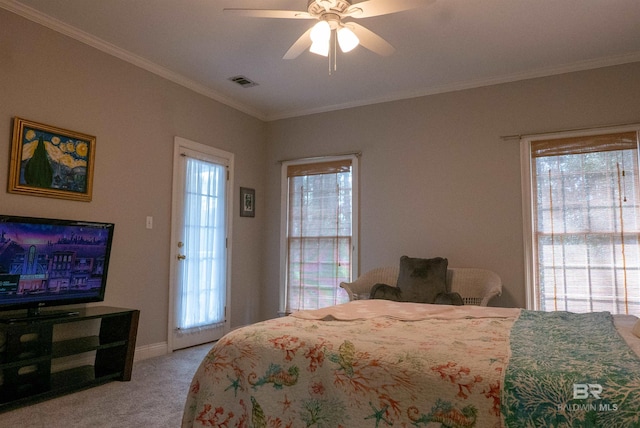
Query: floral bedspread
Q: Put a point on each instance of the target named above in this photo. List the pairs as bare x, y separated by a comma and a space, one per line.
361, 364
376, 363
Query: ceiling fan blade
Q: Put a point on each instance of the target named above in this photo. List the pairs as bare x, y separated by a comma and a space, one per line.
369, 8
267, 13
299, 46
371, 40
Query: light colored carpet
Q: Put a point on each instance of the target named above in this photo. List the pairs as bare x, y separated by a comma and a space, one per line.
154, 397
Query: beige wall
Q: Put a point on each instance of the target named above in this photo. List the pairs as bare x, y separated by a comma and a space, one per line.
49, 78
436, 178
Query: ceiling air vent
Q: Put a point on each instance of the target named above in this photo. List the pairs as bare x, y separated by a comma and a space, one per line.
243, 81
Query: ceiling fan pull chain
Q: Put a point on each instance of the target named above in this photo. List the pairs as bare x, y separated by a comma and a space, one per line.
333, 54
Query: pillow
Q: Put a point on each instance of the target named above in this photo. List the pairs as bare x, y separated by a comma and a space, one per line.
452, 298
386, 292
421, 280
636, 328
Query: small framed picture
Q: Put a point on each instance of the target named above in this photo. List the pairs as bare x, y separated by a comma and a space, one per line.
247, 202
51, 162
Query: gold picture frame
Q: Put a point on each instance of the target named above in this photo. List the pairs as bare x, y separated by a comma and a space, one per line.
51, 162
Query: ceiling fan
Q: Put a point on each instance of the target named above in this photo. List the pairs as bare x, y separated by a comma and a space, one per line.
334, 24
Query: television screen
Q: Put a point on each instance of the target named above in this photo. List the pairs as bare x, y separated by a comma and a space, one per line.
49, 262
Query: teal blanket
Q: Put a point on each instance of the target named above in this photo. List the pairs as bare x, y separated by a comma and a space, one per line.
570, 370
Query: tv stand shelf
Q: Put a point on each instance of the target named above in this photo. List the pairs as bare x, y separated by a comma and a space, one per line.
28, 351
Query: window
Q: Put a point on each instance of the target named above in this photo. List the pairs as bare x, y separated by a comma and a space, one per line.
319, 231
582, 220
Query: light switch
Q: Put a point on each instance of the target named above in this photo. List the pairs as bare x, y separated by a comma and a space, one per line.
149, 222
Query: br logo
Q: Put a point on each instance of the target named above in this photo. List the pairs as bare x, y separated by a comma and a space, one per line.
583, 390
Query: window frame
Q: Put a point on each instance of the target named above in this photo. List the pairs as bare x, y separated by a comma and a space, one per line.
532, 294
284, 210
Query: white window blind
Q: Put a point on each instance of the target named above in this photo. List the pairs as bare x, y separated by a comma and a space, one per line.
586, 223
319, 235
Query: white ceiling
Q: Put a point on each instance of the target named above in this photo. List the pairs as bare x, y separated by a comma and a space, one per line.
444, 46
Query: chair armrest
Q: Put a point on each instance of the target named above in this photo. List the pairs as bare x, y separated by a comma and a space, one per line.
493, 291
475, 285
362, 286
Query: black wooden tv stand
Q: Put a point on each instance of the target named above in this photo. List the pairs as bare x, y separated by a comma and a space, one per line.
29, 349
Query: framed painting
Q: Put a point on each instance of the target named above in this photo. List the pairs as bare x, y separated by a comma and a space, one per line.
247, 202
51, 162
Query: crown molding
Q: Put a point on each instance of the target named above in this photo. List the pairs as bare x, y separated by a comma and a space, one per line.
470, 84
106, 47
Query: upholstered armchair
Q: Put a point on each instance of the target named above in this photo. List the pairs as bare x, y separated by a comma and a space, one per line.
476, 286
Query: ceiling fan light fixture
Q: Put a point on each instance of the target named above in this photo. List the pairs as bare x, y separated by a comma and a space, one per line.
320, 47
347, 39
320, 38
321, 32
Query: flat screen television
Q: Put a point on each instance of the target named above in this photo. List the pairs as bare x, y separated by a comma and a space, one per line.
51, 262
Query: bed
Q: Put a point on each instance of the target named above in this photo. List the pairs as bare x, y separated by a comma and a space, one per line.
378, 363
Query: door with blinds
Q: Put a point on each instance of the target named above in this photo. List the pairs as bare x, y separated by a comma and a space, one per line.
200, 264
